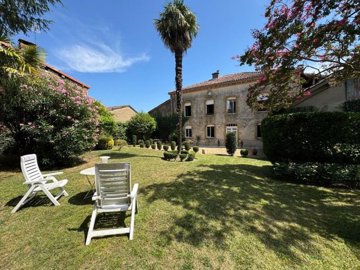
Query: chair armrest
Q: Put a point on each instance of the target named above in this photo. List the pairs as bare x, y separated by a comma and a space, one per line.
134, 191
35, 182
95, 197
52, 174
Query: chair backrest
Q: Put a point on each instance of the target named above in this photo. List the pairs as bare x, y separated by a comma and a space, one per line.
113, 181
30, 168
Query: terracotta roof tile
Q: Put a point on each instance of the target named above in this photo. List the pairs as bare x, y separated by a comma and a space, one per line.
226, 80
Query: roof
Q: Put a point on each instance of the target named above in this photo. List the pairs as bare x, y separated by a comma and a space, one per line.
313, 90
112, 108
221, 81
63, 74
158, 106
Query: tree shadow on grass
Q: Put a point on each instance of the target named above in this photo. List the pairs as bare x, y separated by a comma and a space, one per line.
222, 200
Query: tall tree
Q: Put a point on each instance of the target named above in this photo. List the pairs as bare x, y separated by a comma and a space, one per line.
317, 36
177, 27
23, 16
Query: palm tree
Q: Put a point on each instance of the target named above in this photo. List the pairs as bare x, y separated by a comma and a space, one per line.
177, 27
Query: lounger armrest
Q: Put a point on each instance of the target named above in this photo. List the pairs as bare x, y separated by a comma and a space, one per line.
134, 191
36, 182
95, 197
52, 174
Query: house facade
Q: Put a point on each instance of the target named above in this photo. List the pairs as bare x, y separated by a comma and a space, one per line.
216, 107
123, 113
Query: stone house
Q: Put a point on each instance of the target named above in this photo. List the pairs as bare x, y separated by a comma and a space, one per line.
216, 107
122, 113
326, 97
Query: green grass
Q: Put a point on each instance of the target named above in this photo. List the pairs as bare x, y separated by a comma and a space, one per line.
217, 212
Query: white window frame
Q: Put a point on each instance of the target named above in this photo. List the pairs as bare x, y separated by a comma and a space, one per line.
210, 102
186, 131
207, 135
228, 100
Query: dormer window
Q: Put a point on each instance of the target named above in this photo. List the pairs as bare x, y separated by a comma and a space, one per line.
231, 105
187, 109
210, 107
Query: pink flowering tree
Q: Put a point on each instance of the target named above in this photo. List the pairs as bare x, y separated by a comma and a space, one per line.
315, 36
48, 116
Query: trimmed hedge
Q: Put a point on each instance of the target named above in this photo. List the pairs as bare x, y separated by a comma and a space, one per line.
325, 174
105, 143
330, 137
230, 143
352, 105
244, 152
169, 155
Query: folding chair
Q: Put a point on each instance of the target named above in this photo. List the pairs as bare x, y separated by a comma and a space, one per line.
113, 194
37, 181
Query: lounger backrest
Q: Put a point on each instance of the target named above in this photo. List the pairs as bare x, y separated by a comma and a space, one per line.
30, 168
113, 182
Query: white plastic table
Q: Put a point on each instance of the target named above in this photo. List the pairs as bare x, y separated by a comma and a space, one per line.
88, 173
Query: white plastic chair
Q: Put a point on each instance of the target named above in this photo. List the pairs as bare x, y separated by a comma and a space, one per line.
37, 181
113, 194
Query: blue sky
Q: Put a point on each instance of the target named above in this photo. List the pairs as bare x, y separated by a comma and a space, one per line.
114, 47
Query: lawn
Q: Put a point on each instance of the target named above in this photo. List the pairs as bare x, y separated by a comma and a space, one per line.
217, 212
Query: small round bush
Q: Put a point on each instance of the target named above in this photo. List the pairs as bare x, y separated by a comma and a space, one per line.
142, 145
151, 141
159, 145
105, 143
166, 147
169, 155
120, 143
191, 156
147, 144
244, 152
183, 156
140, 141
187, 146
173, 145
153, 146
196, 149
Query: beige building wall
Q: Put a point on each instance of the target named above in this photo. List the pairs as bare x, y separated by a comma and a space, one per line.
244, 119
327, 99
123, 114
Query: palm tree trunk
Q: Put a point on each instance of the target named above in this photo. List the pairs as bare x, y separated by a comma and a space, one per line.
178, 81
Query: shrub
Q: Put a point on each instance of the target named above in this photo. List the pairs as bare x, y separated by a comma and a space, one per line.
230, 143
352, 105
196, 149
187, 146
5, 139
254, 151
169, 155
140, 141
183, 156
244, 152
134, 140
319, 173
329, 137
120, 143
142, 125
173, 145
159, 145
166, 147
107, 124
191, 156
147, 144
142, 145
105, 143
166, 125
153, 146
50, 117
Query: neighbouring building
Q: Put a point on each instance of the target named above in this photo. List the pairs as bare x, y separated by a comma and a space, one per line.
122, 113
326, 97
216, 107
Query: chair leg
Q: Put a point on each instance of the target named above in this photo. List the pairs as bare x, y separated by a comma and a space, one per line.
91, 226
50, 196
132, 221
23, 199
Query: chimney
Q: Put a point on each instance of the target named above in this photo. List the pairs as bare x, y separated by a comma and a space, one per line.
215, 75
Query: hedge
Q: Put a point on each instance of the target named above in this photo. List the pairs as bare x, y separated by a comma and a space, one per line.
352, 105
330, 137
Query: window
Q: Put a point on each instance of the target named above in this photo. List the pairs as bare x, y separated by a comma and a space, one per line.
258, 131
188, 132
231, 105
209, 107
210, 132
187, 109
231, 128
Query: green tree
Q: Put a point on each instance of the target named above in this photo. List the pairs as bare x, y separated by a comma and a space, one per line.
318, 36
177, 27
24, 16
230, 143
107, 123
142, 125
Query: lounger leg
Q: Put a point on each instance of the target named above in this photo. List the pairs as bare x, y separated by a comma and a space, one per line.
91, 226
23, 199
50, 196
132, 220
